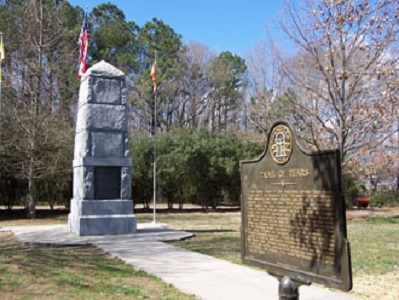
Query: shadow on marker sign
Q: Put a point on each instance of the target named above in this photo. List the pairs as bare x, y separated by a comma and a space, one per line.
293, 212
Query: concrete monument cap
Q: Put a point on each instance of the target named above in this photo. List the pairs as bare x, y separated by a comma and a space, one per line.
103, 69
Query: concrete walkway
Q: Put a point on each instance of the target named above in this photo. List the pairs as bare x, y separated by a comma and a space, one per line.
206, 277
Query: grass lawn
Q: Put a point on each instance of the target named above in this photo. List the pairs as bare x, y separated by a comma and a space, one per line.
217, 234
374, 245
33, 272
85, 273
374, 241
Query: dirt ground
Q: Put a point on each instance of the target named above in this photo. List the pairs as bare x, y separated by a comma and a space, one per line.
383, 287
384, 212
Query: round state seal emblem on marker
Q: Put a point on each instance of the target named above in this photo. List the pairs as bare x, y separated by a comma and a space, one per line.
280, 144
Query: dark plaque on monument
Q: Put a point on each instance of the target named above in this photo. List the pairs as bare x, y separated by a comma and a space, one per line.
107, 182
293, 213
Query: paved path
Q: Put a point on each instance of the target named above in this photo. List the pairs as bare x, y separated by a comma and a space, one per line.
206, 277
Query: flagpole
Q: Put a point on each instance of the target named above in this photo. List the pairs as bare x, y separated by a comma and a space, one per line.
155, 146
155, 158
1, 85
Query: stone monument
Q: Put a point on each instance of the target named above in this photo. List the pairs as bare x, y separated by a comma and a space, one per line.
102, 203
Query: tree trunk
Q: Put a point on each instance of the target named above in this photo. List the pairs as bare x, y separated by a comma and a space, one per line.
170, 203
31, 192
193, 111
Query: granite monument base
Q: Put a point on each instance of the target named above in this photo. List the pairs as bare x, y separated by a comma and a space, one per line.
101, 217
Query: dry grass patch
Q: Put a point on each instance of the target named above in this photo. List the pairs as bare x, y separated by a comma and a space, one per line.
44, 216
33, 272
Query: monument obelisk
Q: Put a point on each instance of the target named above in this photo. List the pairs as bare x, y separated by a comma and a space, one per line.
102, 203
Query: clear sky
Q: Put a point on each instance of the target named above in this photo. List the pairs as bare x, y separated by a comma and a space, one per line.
222, 25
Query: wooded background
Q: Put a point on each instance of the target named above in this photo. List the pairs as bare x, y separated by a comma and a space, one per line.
333, 76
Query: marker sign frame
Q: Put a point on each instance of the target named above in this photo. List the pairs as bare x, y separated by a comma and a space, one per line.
293, 212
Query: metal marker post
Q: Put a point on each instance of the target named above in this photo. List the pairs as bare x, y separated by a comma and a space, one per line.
288, 288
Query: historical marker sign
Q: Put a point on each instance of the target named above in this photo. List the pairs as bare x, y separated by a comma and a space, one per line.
293, 212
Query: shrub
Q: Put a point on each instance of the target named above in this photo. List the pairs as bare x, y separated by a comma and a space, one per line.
351, 190
193, 166
384, 200
12, 191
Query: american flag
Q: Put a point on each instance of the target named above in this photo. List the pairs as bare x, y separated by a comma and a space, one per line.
83, 40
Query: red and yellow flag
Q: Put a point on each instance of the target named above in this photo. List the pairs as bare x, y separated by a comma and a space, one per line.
2, 56
153, 75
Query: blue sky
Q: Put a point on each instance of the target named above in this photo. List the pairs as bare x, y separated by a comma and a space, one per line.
222, 25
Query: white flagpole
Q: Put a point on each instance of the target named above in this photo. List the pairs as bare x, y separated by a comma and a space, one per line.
1, 84
155, 148
155, 158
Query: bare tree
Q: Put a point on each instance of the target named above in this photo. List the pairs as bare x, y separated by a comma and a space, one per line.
267, 101
343, 71
380, 166
39, 128
193, 84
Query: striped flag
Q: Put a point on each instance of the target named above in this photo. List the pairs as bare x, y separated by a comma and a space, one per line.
83, 41
2, 56
153, 75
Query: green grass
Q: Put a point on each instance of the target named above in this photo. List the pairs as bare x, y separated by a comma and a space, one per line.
87, 274
374, 242
217, 234
32, 272
374, 245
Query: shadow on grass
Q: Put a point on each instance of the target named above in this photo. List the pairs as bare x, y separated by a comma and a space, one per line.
21, 213
62, 213
53, 261
187, 210
212, 231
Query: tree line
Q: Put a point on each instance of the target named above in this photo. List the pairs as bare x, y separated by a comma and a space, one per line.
335, 78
